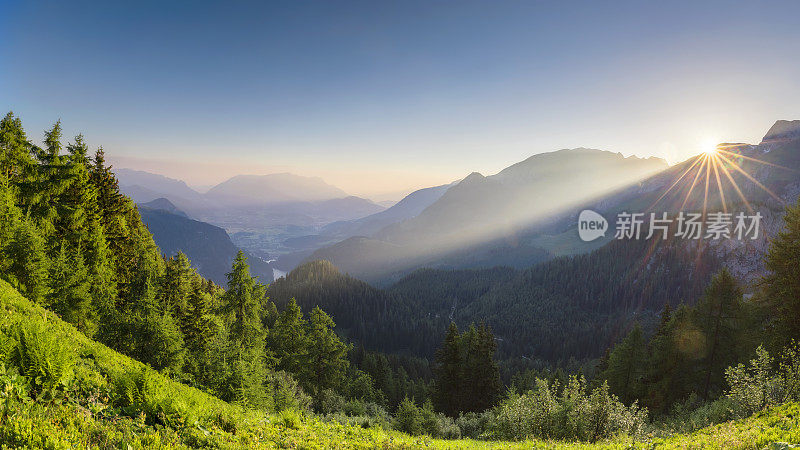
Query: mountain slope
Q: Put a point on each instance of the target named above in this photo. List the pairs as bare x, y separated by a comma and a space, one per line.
410, 206
209, 247
490, 214
145, 187
162, 204
168, 414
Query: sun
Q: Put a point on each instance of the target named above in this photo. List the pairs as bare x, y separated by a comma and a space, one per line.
709, 147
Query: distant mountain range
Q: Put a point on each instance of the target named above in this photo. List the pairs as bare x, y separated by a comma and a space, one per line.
261, 212
208, 247
480, 221
273, 188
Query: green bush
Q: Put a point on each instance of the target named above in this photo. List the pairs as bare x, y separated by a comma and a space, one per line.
475, 425
289, 418
575, 414
408, 418
287, 393
759, 385
329, 402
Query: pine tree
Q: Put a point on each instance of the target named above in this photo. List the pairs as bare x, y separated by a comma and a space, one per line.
69, 294
176, 284
15, 150
288, 341
782, 284
242, 303
27, 262
627, 366
327, 354
718, 314
448, 385
484, 371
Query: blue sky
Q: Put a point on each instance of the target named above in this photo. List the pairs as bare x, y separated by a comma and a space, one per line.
380, 97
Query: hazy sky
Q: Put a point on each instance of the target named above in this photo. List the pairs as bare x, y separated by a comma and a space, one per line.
379, 97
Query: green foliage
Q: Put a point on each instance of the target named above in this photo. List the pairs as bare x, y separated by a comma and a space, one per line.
575, 414
286, 393
44, 360
408, 418
26, 261
246, 338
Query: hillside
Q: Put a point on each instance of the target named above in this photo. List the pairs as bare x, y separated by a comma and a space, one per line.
168, 414
208, 247
162, 204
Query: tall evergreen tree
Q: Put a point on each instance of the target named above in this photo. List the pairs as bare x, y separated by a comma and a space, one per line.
70, 294
482, 374
782, 283
288, 341
447, 387
718, 314
242, 303
327, 354
627, 366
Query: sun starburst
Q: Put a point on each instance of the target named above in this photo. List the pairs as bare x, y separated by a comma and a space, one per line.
717, 163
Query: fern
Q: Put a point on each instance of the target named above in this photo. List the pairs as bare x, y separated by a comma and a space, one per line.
41, 356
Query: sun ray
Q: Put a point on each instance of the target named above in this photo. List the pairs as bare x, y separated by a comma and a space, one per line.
749, 177
715, 162
736, 187
757, 160
675, 183
694, 182
705, 196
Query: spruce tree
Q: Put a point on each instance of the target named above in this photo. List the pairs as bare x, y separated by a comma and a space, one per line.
782, 283
327, 354
627, 366
718, 315
288, 341
242, 303
70, 294
27, 261
448, 389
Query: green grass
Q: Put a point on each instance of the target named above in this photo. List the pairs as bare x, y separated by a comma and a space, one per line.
85, 416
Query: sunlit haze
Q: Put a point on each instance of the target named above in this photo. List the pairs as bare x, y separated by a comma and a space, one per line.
379, 98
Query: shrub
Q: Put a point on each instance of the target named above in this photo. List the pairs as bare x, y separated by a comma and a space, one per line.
286, 393
408, 418
576, 414
754, 387
759, 385
475, 425
329, 402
